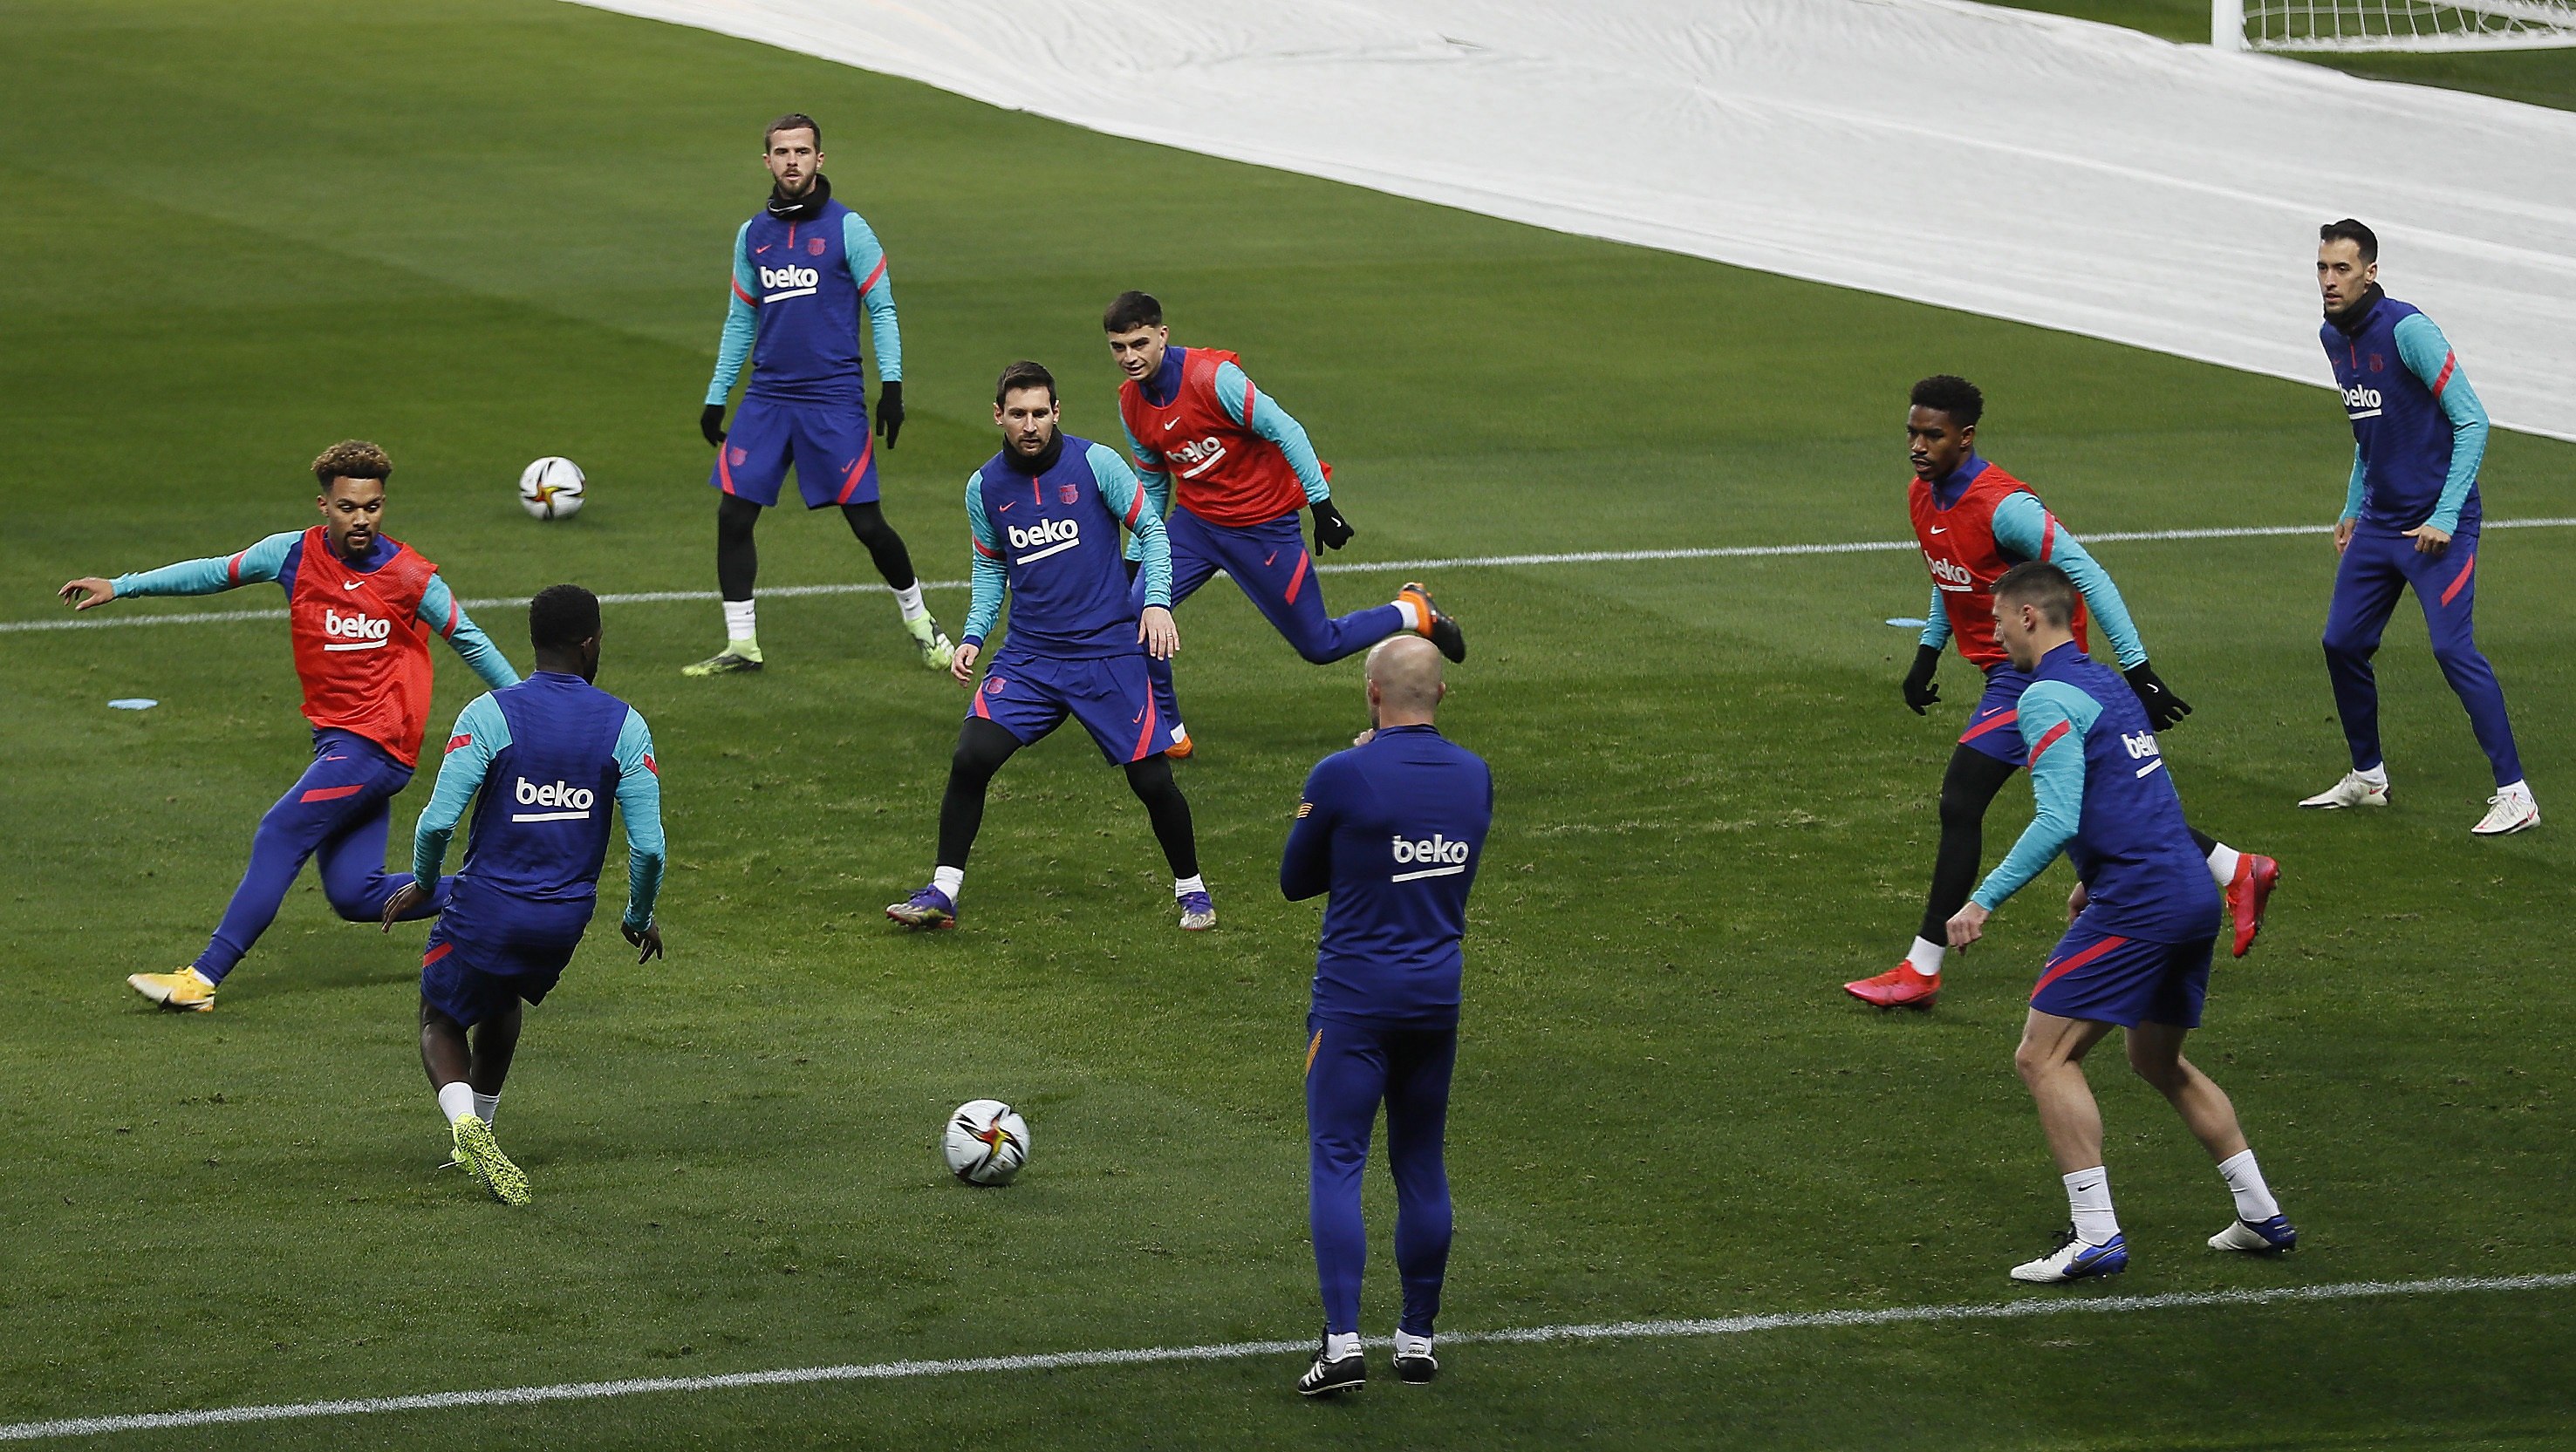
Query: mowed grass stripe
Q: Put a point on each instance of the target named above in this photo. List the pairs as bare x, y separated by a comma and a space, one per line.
1345, 567
1236, 1350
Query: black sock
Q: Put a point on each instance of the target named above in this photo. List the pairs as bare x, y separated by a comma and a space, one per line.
1967, 789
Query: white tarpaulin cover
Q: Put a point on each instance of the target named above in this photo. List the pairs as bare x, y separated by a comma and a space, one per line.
2053, 171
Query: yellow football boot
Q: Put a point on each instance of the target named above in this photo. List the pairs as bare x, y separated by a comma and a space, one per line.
481, 1155
185, 990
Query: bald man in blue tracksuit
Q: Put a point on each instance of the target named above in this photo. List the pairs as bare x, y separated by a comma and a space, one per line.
1393, 829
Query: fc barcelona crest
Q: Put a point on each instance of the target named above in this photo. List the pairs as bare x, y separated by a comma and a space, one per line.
814, 245
1068, 493
2378, 364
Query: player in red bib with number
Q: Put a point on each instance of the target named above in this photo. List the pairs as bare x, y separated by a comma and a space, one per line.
361, 610
1974, 522
1229, 469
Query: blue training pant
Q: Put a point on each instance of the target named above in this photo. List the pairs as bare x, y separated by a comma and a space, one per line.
1270, 563
1350, 1069
2379, 564
338, 811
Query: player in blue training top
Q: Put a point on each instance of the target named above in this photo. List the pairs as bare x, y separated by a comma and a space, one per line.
803, 268
361, 609
1044, 515
541, 761
2136, 956
2410, 517
1393, 829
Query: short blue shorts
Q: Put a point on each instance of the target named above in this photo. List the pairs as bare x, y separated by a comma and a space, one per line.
1030, 695
829, 443
2126, 981
1991, 727
471, 981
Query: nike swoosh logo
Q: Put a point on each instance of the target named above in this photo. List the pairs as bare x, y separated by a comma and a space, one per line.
1940, 530
351, 584
760, 249
1171, 423
1005, 509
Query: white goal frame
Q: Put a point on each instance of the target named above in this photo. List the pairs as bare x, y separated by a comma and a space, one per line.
2392, 25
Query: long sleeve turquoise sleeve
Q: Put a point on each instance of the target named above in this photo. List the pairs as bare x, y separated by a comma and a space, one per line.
2428, 356
2353, 490
1262, 414
639, 803
1936, 622
440, 611
741, 324
2053, 720
867, 261
481, 733
217, 573
2024, 527
990, 580
1154, 475
1126, 497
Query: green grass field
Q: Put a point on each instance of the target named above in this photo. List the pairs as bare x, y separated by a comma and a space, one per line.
480, 232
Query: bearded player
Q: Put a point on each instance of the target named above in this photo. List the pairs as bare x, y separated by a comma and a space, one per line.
1974, 522
804, 268
361, 609
1229, 469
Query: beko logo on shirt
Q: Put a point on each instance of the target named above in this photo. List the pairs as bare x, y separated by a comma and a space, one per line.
789, 281
2361, 402
1200, 455
1450, 858
570, 801
2142, 747
359, 631
1949, 574
1046, 537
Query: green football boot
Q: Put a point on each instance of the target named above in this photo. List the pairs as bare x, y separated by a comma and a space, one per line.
481, 1156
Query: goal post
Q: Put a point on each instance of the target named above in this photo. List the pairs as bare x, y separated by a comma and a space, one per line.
2391, 25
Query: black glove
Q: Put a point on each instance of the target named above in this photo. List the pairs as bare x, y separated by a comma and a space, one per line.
711, 423
2164, 708
1920, 689
890, 410
1331, 530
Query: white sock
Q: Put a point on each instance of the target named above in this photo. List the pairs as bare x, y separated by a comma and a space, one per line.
1183, 887
1408, 1344
2088, 1202
949, 880
195, 972
2222, 864
908, 599
1412, 615
2244, 1181
738, 620
2516, 785
1180, 733
1338, 1344
487, 1107
1925, 955
2377, 776
456, 1100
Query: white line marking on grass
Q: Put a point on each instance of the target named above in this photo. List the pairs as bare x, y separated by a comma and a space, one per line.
521, 1396
1339, 567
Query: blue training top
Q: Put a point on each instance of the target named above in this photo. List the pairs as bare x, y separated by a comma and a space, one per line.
546, 756
1394, 830
797, 291
2107, 801
2419, 432
1048, 539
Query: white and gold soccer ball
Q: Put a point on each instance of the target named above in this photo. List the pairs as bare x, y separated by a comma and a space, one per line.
987, 1142
551, 488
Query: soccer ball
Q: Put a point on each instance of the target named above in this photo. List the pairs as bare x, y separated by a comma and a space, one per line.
551, 488
987, 1142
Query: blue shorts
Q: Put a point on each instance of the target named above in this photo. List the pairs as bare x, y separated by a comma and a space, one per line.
471, 981
1991, 727
1030, 695
2126, 981
829, 443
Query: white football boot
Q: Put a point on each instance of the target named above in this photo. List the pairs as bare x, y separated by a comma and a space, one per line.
2355, 790
2510, 810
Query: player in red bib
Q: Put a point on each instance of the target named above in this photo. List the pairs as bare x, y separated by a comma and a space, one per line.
1229, 469
1974, 522
361, 609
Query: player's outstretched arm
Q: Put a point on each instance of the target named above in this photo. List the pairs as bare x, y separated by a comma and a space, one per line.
480, 733
639, 805
2023, 526
210, 576
440, 611
2053, 719
1261, 413
1306, 863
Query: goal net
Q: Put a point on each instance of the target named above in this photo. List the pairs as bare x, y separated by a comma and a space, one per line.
2392, 24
